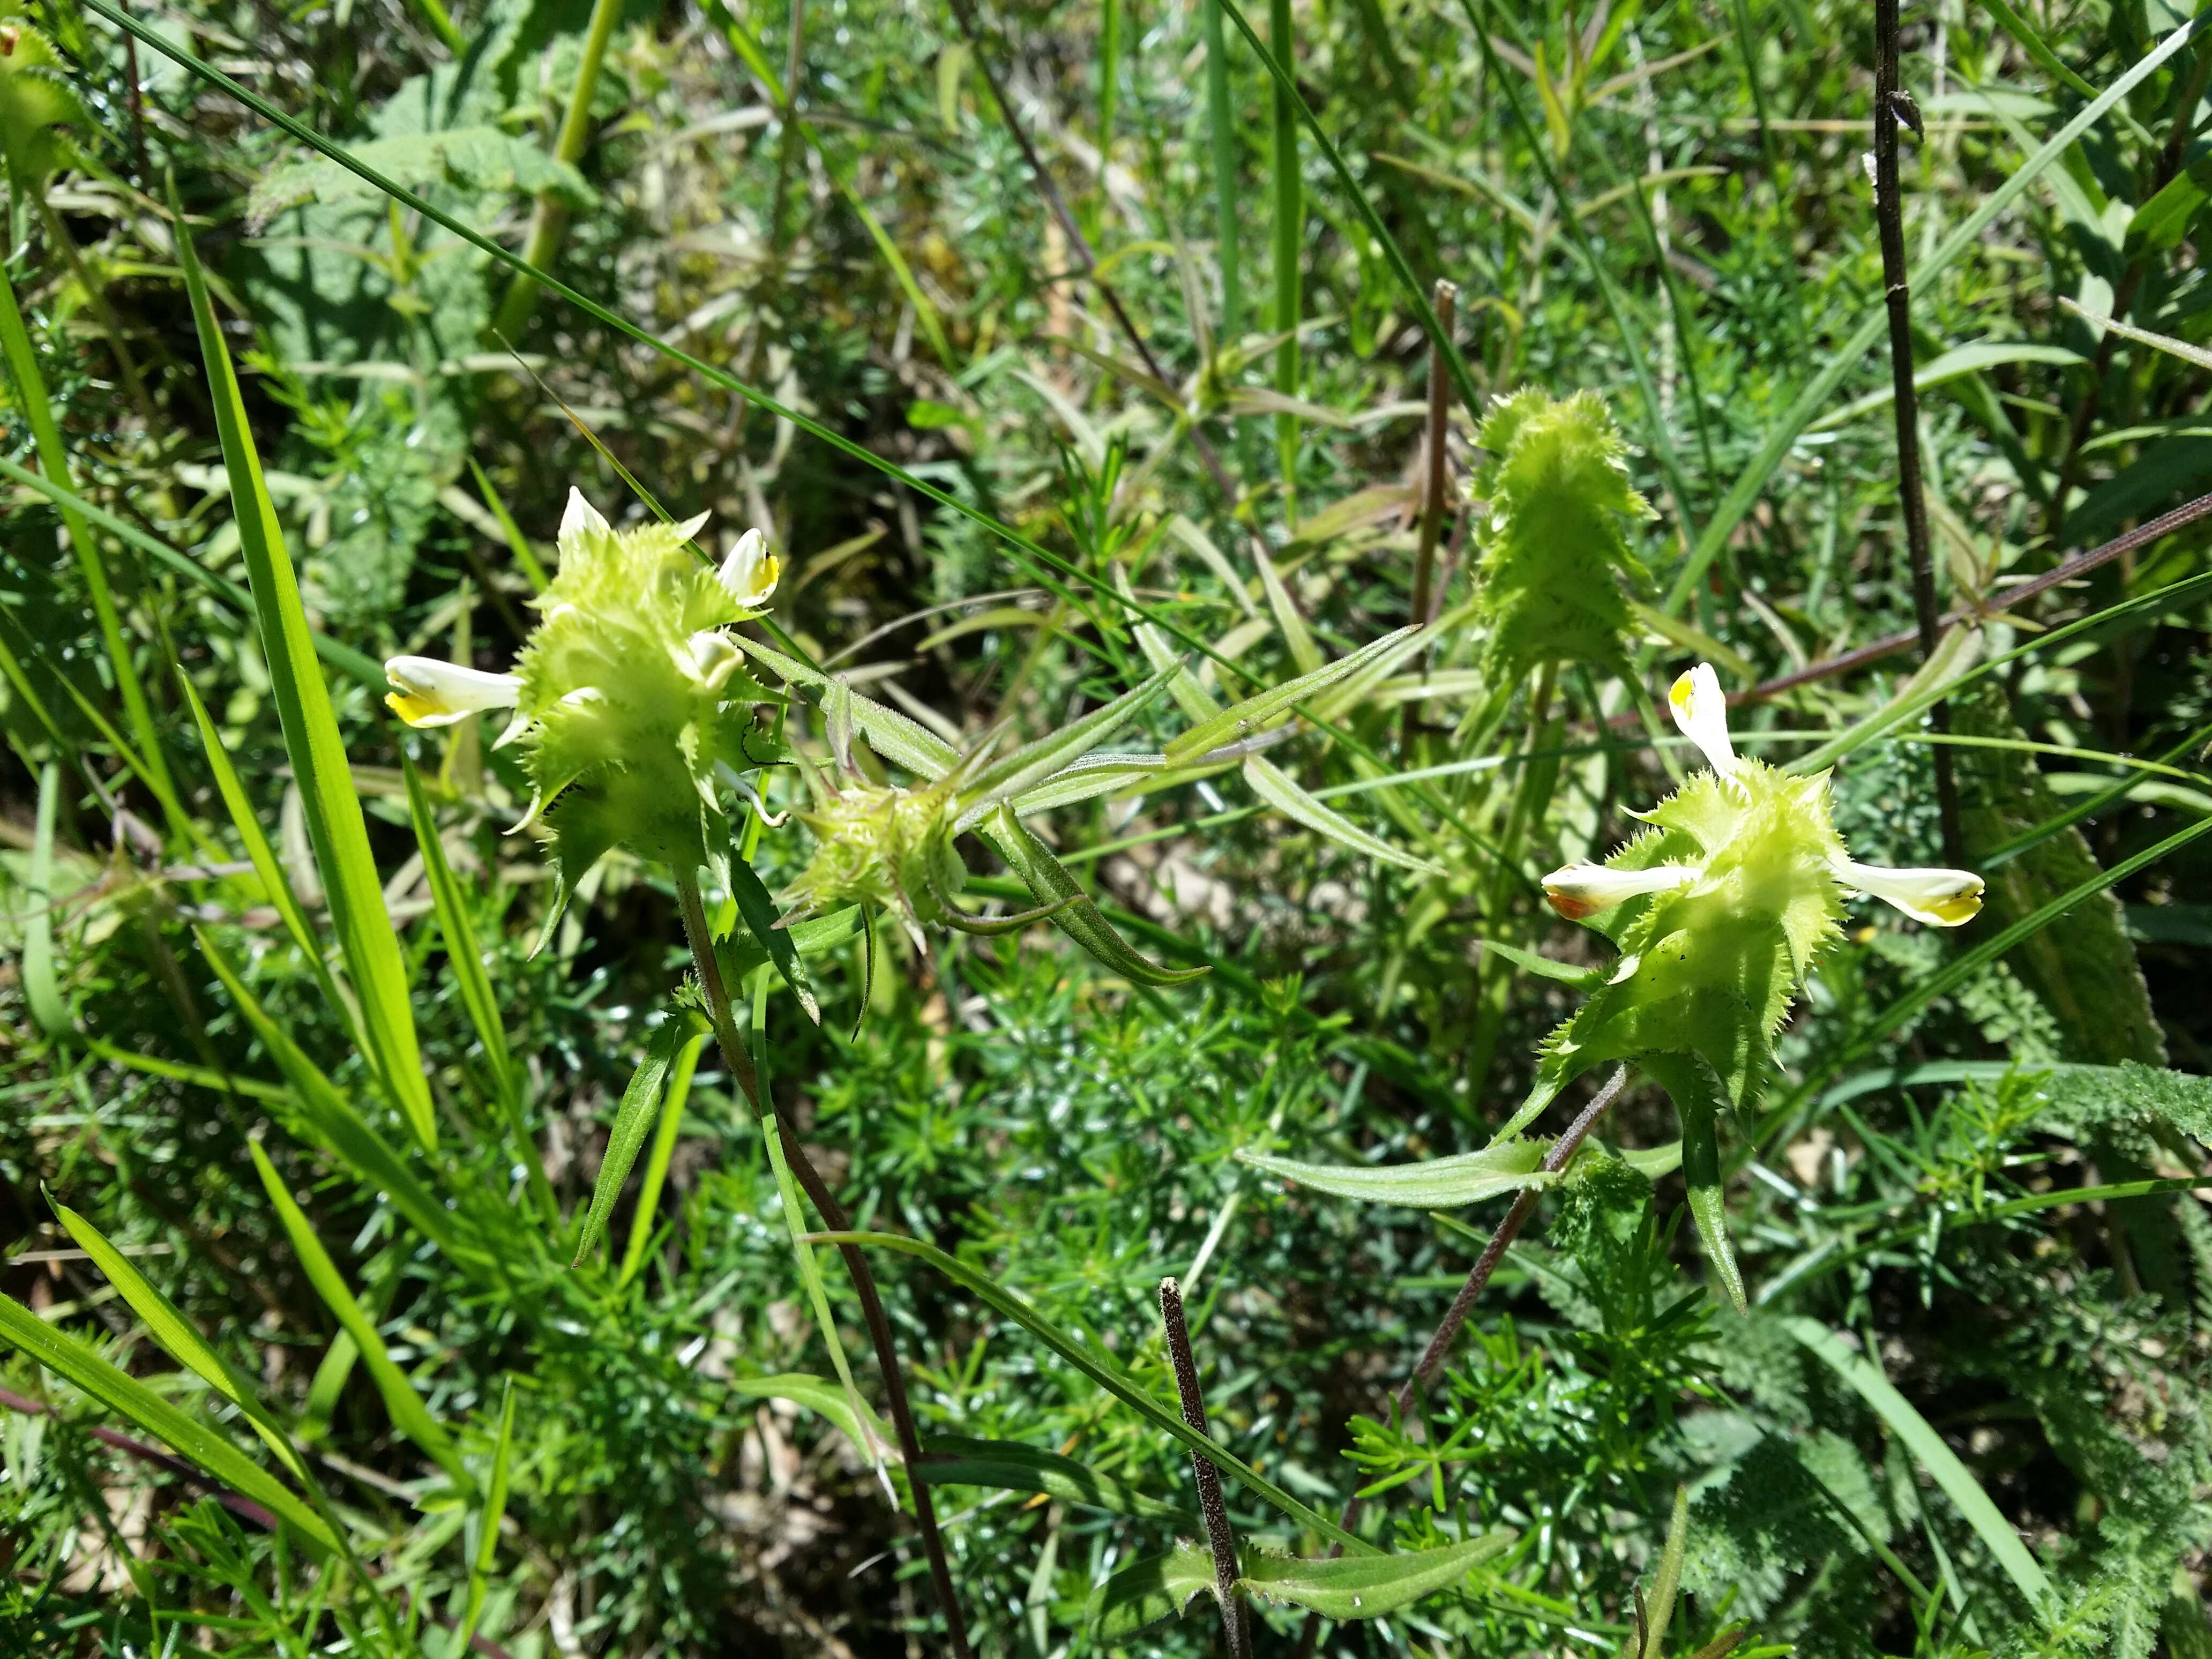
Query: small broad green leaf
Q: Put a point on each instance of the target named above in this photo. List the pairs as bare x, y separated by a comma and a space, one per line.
462, 957
179, 1338
1440, 1184
1148, 1592
41, 989
408, 1414
758, 910
483, 159
1009, 1466
1034, 762
641, 1105
1366, 1587
818, 1393
891, 734
1565, 972
1078, 917
327, 790
2162, 223
77, 1364
1242, 719
1276, 787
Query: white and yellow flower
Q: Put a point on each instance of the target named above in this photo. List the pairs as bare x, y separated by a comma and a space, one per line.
426, 692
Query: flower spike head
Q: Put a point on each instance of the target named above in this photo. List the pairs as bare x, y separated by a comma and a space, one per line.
1719, 909
749, 572
1939, 899
1701, 711
632, 698
426, 692
1579, 891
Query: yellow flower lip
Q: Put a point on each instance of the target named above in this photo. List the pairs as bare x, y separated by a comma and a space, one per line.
749, 574
1700, 710
1940, 898
426, 692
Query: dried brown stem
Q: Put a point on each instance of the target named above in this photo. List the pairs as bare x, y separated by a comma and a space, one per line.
1220, 1536
835, 1218
1889, 101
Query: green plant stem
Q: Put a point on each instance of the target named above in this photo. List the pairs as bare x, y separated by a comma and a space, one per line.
95, 295
550, 219
1532, 790
1289, 244
1889, 213
53, 457
734, 1056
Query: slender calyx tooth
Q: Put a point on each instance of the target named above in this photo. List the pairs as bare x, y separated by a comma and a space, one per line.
581, 518
1940, 898
426, 692
1701, 711
1578, 891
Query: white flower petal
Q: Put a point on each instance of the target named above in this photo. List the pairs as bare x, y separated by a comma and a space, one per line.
579, 519
1577, 892
1701, 711
1940, 898
749, 572
692, 526
428, 692
714, 658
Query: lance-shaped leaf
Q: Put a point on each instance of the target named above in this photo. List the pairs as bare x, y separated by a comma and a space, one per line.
1242, 720
1366, 1586
1034, 762
819, 1393
41, 988
1276, 787
1368, 678
1077, 917
1148, 1592
1438, 1183
71, 1360
1009, 1466
1566, 973
1101, 775
641, 1105
758, 910
891, 734
332, 804
408, 1414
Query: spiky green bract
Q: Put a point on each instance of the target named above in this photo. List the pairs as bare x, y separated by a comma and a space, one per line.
631, 697
1708, 971
1555, 549
36, 99
882, 846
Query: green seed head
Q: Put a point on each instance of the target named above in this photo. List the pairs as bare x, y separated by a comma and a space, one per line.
880, 846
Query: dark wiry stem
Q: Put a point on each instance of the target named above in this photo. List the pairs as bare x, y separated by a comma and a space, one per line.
1477, 1279
1220, 1536
834, 1216
1889, 104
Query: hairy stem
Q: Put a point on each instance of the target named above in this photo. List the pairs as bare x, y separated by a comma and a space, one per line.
1220, 1536
1477, 1279
1889, 213
834, 1217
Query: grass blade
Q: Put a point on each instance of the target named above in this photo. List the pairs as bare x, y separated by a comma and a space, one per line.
486, 1521
462, 957
408, 1414
71, 1360
340, 838
656, 1163
639, 1103
41, 989
1276, 787
1933, 1455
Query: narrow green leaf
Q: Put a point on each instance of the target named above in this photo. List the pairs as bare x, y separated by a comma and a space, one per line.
335, 826
1034, 762
1935, 1456
1009, 1466
1242, 720
408, 1414
41, 988
641, 1102
1276, 787
1108, 1375
657, 1161
758, 910
818, 1394
899, 740
525, 556
332, 1122
1352, 1587
487, 1519
1050, 881
179, 1339
463, 959
1438, 1183
740, 956
1661, 1602
1148, 1592
71, 1360
1545, 966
